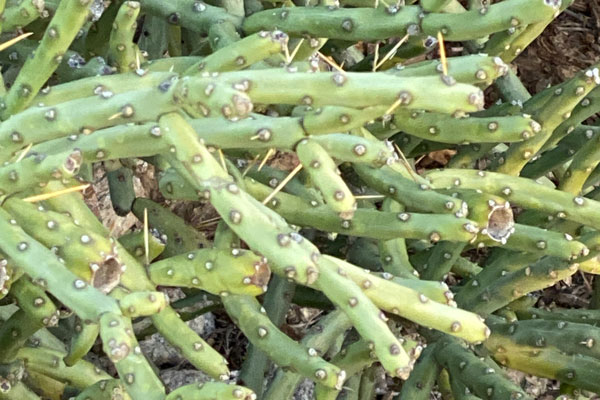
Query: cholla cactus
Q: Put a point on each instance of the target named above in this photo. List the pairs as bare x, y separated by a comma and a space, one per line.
207, 93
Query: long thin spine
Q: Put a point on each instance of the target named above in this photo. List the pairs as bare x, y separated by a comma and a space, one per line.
180, 237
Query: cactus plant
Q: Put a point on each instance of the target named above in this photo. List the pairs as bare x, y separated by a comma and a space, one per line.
296, 130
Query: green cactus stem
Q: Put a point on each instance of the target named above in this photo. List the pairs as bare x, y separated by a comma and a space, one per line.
504, 43
385, 294
107, 389
388, 225
539, 275
35, 302
167, 322
345, 294
475, 69
586, 108
111, 84
499, 264
211, 390
242, 53
141, 304
15, 331
543, 242
85, 300
120, 186
36, 311
530, 33
191, 14
87, 254
63, 28
276, 304
477, 375
441, 259
18, 391
122, 51
246, 312
121, 347
357, 90
567, 337
325, 175
343, 23
447, 129
20, 14
217, 271
521, 192
419, 384
335, 23
320, 338
121, 141
580, 316
358, 148
576, 370
555, 110
393, 253
467, 155
584, 162
38, 170
49, 362
81, 342
562, 153
36, 125
44, 385
388, 181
